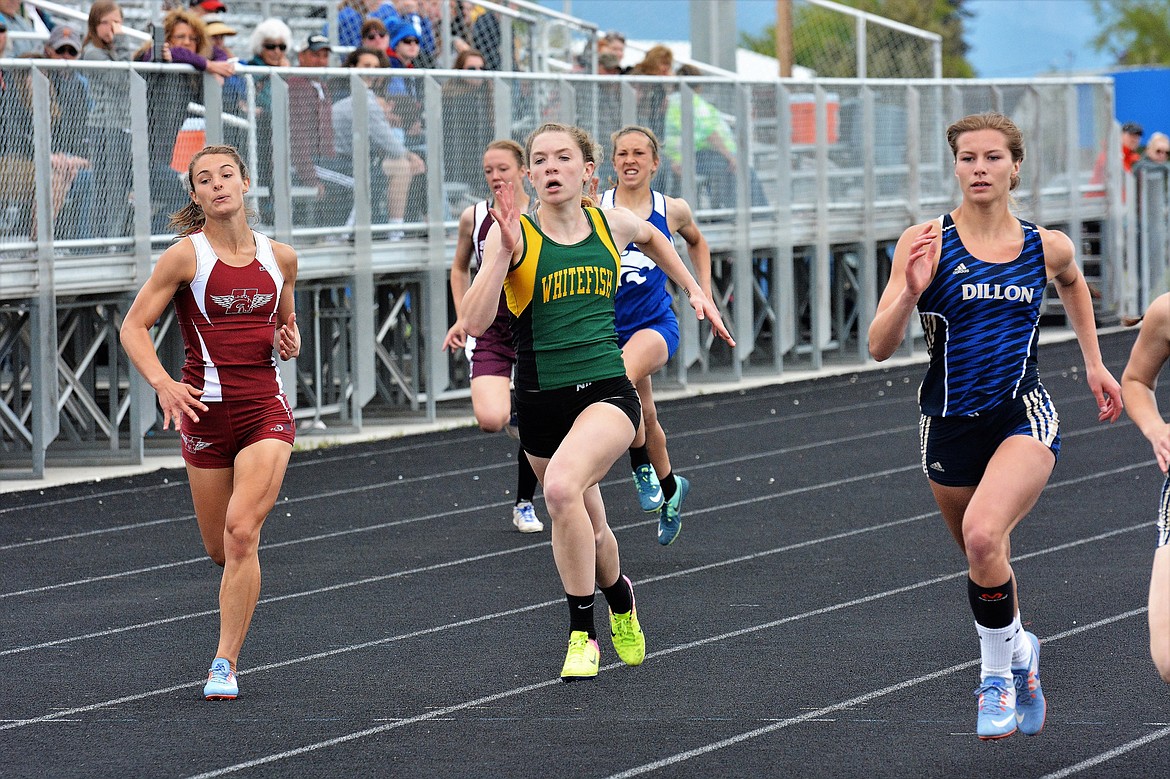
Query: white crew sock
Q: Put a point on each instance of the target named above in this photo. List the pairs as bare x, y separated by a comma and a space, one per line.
995, 650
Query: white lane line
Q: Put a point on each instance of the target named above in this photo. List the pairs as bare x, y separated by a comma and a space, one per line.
466, 560
1097, 760
707, 749
62, 713
500, 553
445, 475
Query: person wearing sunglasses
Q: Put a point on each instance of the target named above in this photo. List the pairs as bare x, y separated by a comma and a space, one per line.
352, 13
270, 42
70, 140
404, 50
375, 35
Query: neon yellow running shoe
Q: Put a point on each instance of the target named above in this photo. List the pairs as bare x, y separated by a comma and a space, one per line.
628, 640
582, 659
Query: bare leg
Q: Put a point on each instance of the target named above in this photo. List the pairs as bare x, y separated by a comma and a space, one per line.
1160, 612
491, 400
256, 480
398, 173
584, 547
644, 354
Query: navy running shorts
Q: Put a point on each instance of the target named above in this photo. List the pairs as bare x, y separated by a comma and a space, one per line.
1164, 515
956, 450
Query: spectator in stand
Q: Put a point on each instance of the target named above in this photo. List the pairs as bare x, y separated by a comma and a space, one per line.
205, 7
310, 137
375, 35
1131, 139
167, 96
218, 32
651, 106
270, 42
609, 64
460, 26
18, 16
612, 42
70, 140
404, 49
409, 11
485, 36
109, 117
467, 129
1156, 156
406, 104
351, 14
235, 88
392, 165
17, 174
715, 147
1152, 183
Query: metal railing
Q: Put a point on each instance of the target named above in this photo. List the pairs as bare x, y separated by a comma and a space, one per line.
825, 176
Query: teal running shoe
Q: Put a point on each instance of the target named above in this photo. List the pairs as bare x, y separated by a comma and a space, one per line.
649, 490
1030, 704
670, 519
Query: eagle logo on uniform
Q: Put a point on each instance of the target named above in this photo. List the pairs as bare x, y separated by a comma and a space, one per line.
242, 301
194, 444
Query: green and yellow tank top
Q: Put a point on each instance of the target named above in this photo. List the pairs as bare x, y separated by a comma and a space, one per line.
562, 298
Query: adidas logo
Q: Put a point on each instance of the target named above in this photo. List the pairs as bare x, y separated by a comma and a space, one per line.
937, 466
961, 269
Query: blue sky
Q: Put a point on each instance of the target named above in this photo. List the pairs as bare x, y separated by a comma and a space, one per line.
1008, 38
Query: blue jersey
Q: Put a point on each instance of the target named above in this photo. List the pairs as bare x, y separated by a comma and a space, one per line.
642, 297
981, 321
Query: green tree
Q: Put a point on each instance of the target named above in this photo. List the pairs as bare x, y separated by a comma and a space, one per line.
824, 39
1135, 32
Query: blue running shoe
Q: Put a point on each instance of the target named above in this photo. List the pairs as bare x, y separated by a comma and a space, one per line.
221, 682
649, 490
997, 708
1030, 704
669, 519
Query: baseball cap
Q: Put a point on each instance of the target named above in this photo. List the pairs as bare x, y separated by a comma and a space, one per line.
1133, 128
211, 6
64, 35
217, 27
317, 42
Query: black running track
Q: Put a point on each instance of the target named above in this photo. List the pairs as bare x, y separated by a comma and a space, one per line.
811, 620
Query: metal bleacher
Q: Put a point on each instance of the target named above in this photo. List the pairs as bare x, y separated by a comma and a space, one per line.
831, 171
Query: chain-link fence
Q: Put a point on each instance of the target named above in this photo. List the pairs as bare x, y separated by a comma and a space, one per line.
836, 41
800, 188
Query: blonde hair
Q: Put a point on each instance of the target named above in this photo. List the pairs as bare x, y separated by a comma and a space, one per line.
580, 137
507, 144
190, 218
657, 58
990, 121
